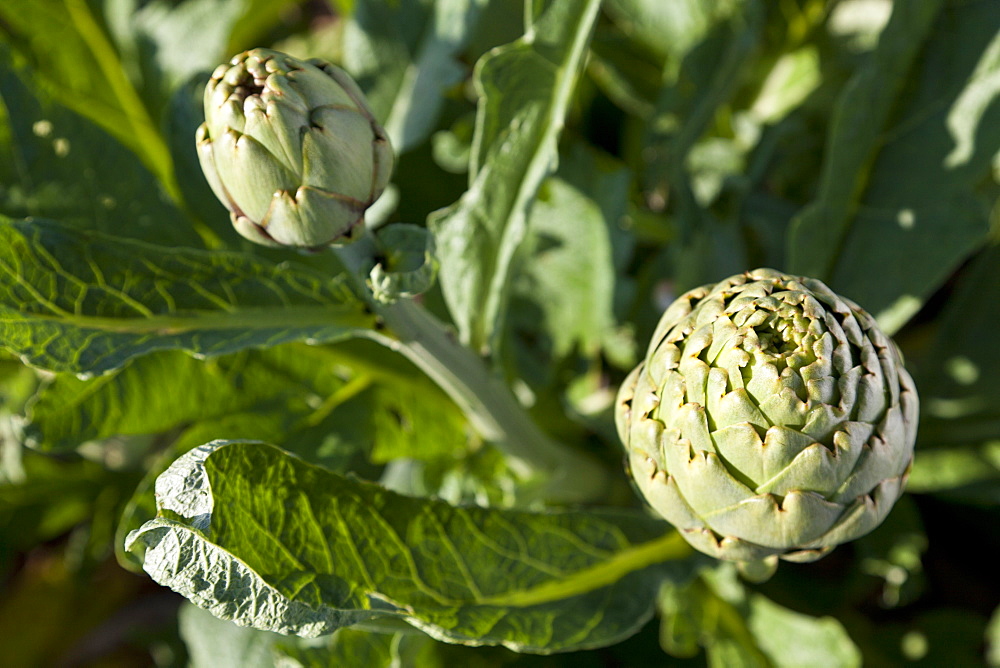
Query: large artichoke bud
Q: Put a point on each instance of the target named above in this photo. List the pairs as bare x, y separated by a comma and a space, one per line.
291, 148
770, 417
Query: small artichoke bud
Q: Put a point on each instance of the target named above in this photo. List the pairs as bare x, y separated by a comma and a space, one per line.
770, 418
291, 148
408, 264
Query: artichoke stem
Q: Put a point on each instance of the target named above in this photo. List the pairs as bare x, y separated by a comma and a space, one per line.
487, 402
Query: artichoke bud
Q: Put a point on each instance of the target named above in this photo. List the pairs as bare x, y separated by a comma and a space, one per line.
770, 418
291, 148
408, 264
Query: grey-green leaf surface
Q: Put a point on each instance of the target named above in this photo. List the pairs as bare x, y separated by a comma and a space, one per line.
258, 536
570, 275
912, 136
86, 303
525, 90
791, 639
213, 643
406, 58
564, 286
141, 506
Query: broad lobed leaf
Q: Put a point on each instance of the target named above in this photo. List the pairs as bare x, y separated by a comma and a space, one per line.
738, 627
525, 90
901, 172
267, 540
86, 303
563, 291
395, 406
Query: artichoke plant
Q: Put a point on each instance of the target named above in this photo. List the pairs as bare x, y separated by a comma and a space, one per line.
770, 418
291, 148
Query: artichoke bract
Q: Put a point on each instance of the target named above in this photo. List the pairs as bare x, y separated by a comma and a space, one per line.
291, 148
770, 418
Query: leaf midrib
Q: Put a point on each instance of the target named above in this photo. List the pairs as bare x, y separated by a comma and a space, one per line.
253, 319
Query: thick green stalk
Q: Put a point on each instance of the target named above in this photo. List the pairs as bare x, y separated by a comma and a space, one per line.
486, 400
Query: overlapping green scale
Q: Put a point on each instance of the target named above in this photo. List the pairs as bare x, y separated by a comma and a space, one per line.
291, 148
770, 418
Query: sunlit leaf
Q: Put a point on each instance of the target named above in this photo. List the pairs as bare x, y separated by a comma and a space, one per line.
525, 90
912, 136
86, 303
237, 537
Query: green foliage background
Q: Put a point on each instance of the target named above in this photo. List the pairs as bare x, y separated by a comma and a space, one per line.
580, 163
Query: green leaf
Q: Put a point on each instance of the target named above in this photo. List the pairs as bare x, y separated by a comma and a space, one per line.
741, 628
346, 647
336, 407
670, 29
563, 289
791, 639
704, 613
67, 167
912, 136
482, 476
407, 425
212, 642
259, 17
860, 116
69, 410
693, 94
45, 497
255, 535
141, 505
165, 43
525, 90
405, 57
993, 639
569, 276
958, 445
971, 472
961, 374
86, 303
67, 43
